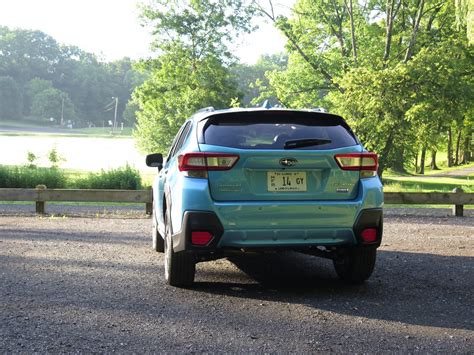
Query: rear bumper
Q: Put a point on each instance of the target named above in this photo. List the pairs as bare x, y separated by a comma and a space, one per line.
292, 238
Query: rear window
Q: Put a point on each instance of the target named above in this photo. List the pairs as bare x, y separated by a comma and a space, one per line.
273, 131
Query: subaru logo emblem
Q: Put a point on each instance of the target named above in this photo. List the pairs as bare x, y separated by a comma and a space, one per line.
287, 162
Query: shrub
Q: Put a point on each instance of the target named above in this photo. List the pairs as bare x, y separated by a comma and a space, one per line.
32, 158
30, 177
55, 158
125, 178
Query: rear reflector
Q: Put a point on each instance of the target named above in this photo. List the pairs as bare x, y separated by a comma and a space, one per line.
206, 161
369, 235
201, 238
367, 163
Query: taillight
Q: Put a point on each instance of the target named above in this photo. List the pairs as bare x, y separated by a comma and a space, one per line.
203, 162
367, 163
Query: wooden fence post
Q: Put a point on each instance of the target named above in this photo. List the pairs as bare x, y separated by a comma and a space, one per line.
40, 209
458, 210
149, 208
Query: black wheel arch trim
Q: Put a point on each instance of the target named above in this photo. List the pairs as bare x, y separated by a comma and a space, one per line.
369, 218
198, 221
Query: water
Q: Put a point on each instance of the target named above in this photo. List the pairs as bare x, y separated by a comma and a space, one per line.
81, 153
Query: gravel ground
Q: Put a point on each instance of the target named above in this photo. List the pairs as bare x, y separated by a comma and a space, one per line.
75, 284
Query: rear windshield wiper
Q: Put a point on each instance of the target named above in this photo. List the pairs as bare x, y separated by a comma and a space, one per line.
307, 142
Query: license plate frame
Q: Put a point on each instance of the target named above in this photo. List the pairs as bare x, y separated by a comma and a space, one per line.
287, 181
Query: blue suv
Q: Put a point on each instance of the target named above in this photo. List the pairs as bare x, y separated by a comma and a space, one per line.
264, 180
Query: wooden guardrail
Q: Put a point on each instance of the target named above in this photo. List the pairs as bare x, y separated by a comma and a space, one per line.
458, 198
41, 195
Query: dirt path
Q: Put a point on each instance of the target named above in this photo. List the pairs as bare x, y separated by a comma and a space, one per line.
454, 173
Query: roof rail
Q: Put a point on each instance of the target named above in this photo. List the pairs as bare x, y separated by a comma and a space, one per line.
205, 109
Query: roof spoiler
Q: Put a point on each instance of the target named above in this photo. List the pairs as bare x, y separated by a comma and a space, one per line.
205, 109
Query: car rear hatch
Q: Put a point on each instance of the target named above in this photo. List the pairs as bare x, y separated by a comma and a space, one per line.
280, 155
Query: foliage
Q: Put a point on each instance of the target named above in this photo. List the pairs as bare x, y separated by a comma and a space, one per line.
55, 158
465, 17
125, 178
31, 158
193, 70
30, 177
252, 79
38, 63
178, 88
52, 103
10, 99
399, 70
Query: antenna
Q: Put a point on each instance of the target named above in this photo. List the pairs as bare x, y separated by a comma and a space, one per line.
266, 104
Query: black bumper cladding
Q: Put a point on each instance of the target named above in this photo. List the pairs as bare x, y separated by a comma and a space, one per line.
208, 222
198, 221
372, 218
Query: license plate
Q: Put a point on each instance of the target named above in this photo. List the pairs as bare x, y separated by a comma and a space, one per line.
282, 181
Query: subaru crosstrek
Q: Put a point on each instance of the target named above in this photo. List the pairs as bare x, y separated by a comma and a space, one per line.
265, 180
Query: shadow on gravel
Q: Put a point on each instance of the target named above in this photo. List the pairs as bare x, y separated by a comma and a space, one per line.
412, 288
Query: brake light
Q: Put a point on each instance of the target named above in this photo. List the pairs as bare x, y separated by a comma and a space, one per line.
206, 161
201, 238
369, 235
367, 163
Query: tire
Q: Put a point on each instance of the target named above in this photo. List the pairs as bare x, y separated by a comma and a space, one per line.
180, 268
158, 243
355, 265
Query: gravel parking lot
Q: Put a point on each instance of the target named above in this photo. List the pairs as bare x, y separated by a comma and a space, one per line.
87, 284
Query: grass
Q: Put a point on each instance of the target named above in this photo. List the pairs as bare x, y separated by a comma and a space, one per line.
106, 131
19, 123
426, 184
74, 132
412, 182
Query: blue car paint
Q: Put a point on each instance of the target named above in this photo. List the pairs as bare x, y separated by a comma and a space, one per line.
280, 222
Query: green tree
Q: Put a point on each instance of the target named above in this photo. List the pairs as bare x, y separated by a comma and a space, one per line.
51, 103
36, 62
130, 112
465, 17
193, 70
33, 88
355, 59
10, 99
252, 79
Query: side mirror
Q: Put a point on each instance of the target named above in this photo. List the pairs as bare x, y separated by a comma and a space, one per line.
155, 160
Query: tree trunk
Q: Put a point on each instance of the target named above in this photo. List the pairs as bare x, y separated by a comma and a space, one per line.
414, 33
458, 144
433, 160
422, 161
388, 29
416, 161
353, 36
384, 154
398, 161
466, 157
450, 147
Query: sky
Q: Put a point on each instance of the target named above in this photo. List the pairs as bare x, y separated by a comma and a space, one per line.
111, 28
